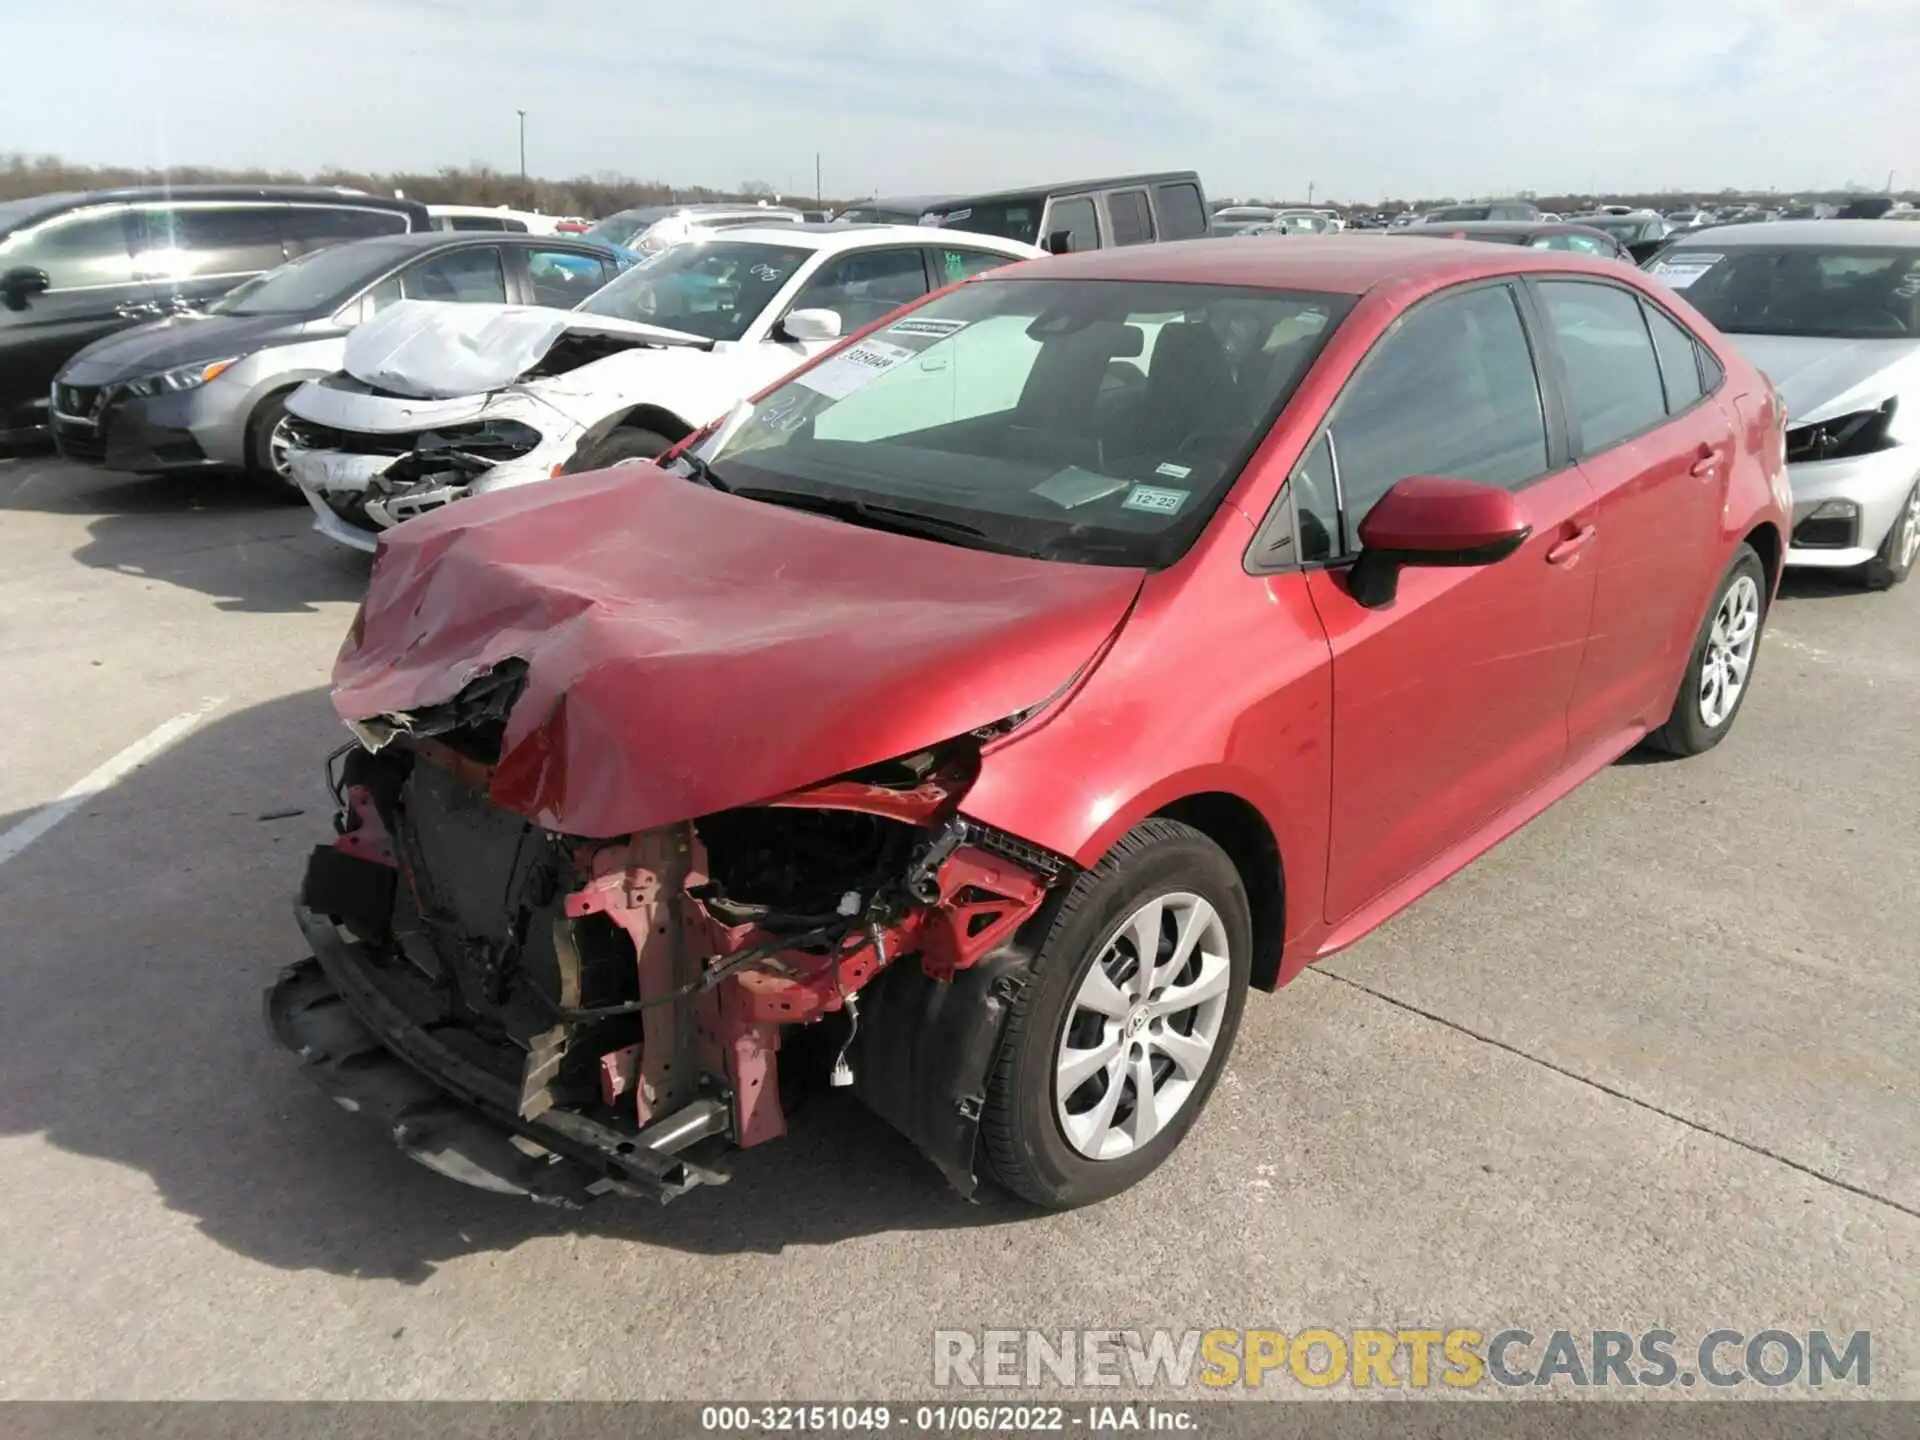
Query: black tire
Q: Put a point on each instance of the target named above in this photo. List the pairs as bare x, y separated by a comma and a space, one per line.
1026, 1149
260, 467
1687, 731
626, 443
1894, 562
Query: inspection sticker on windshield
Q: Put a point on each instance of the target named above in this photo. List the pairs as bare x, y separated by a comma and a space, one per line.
936, 329
1173, 471
1155, 499
849, 370
1680, 271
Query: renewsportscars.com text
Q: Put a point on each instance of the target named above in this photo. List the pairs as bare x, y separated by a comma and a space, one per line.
1407, 1358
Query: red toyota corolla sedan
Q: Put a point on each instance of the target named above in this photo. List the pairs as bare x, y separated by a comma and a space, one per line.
976, 717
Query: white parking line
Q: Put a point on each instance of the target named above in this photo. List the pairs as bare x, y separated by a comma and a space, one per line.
107, 775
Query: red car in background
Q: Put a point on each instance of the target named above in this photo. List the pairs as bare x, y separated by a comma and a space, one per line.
1006, 694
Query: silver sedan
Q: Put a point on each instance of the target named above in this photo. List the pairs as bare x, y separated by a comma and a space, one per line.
1830, 311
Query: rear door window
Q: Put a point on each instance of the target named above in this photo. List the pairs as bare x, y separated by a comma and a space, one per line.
951, 263
563, 278
1613, 377
314, 227
1076, 218
1182, 217
864, 286
1679, 360
190, 241
82, 251
471, 276
1132, 222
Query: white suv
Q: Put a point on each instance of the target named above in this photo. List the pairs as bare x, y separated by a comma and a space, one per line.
439, 401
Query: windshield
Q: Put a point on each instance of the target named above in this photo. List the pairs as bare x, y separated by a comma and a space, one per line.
1623, 228
1009, 219
715, 288
1844, 293
1092, 421
318, 281
624, 228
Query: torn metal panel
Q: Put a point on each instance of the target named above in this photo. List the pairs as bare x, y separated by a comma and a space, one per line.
620, 1003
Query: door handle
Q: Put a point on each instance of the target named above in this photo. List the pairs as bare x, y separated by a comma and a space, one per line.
1707, 463
1571, 546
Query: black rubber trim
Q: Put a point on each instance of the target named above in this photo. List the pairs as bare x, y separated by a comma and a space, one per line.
604, 1152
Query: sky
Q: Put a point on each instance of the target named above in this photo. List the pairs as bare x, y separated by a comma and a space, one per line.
1362, 99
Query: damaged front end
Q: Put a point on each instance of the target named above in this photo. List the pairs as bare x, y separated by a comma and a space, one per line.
560, 1017
361, 483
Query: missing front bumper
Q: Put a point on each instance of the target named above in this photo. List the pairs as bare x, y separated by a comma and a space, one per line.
455, 1118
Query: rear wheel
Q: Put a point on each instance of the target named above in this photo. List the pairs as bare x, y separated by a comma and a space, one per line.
623, 445
267, 444
1717, 676
1898, 551
1117, 1041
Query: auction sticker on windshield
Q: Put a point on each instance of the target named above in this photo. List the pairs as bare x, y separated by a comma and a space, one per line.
849, 370
935, 329
1155, 499
1683, 268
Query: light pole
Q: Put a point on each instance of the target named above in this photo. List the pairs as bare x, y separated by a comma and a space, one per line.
523, 157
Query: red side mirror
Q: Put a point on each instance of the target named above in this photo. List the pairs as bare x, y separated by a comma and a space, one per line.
1433, 520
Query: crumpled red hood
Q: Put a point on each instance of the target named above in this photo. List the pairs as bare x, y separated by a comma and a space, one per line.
690, 651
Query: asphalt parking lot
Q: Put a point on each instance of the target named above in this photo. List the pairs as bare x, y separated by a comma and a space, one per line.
1654, 1061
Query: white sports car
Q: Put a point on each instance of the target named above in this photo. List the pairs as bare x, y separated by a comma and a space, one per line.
438, 402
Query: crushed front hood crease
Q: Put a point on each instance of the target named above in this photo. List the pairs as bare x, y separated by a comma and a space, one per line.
1820, 378
689, 651
438, 350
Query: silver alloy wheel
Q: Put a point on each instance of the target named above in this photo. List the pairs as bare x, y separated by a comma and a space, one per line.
1909, 543
1142, 1028
1730, 645
278, 444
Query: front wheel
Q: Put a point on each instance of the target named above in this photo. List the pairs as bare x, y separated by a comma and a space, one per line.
267, 446
1894, 562
1718, 673
1117, 1041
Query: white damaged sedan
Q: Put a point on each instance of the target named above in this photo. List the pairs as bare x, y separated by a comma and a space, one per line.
440, 401
1829, 310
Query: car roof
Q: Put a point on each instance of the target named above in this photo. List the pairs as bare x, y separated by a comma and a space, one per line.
1339, 264
147, 194
829, 236
1901, 234
900, 202
450, 239
1516, 227
699, 208
483, 210
1019, 192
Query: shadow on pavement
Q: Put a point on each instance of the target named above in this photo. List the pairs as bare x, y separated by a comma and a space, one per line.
221, 535
1822, 585
282, 570
48, 484
146, 928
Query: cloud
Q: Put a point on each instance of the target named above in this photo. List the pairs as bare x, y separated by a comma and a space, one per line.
1361, 97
